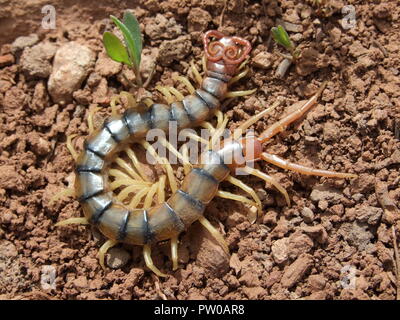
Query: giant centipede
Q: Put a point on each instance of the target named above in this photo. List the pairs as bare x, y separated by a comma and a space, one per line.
167, 220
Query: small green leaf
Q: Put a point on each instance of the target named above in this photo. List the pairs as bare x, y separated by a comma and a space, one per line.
115, 48
130, 42
280, 36
133, 26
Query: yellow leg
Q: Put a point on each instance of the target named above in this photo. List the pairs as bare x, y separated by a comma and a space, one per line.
239, 131
131, 154
204, 63
113, 103
150, 195
179, 96
284, 164
137, 198
196, 74
170, 147
186, 82
246, 189
167, 95
128, 182
103, 250
174, 252
71, 148
243, 64
161, 190
149, 261
128, 190
240, 93
148, 102
122, 163
239, 76
92, 112
193, 136
236, 197
164, 162
215, 233
220, 118
269, 180
187, 166
217, 134
131, 99
72, 221
65, 192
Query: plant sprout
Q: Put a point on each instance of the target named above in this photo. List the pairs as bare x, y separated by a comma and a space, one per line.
281, 37
130, 51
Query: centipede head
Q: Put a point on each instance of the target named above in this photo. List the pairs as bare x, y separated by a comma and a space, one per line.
224, 50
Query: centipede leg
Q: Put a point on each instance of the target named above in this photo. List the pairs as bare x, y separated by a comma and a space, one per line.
67, 192
71, 147
167, 95
284, 164
215, 233
186, 82
92, 112
196, 74
79, 220
240, 93
103, 250
149, 261
132, 156
161, 190
187, 166
236, 197
174, 252
239, 76
269, 180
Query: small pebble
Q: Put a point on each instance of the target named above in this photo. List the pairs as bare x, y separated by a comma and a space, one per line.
117, 258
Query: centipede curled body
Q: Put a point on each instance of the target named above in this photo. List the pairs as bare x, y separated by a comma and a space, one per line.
167, 220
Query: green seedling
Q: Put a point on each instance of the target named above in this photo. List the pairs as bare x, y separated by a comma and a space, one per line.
281, 37
130, 51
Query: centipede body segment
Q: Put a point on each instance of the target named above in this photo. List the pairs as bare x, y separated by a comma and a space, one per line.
187, 204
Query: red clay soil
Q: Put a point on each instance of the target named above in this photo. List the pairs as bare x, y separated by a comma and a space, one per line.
336, 239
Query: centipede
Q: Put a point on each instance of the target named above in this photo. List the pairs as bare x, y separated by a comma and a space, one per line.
127, 223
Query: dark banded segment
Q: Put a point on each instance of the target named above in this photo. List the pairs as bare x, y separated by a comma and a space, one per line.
101, 142
164, 222
178, 113
111, 220
88, 184
196, 108
205, 187
209, 100
159, 116
186, 207
122, 227
220, 76
147, 232
214, 165
139, 123
118, 128
89, 161
95, 206
215, 87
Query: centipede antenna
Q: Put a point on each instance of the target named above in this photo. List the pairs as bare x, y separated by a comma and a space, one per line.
79, 220
174, 252
149, 261
284, 164
186, 82
239, 130
196, 74
66, 192
269, 180
71, 148
240, 93
215, 233
103, 250
282, 124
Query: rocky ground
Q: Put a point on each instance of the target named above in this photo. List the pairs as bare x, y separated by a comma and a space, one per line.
336, 239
